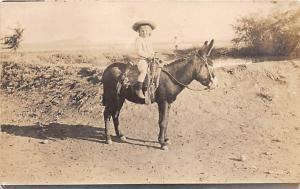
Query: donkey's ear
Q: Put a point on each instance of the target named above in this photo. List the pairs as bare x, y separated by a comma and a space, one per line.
202, 50
204, 45
210, 47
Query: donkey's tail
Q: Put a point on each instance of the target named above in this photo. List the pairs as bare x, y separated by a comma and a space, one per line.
101, 90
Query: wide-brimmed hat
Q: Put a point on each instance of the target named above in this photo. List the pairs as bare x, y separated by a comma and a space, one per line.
137, 25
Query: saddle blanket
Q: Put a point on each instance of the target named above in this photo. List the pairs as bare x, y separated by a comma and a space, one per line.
129, 79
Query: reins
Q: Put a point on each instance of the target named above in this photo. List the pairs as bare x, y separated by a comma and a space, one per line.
179, 83
187, 86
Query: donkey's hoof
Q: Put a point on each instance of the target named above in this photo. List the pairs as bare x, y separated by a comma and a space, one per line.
109, 141
164, 147
123, 138
167, 141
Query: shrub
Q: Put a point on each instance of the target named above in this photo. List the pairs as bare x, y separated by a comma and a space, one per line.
13, 41
277, 34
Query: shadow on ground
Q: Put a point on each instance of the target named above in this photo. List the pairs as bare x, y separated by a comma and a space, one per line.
59, 131
54, 131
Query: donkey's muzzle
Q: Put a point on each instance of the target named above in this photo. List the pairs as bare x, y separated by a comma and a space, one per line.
213, 83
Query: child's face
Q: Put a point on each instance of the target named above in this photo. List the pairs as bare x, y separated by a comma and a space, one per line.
145, 31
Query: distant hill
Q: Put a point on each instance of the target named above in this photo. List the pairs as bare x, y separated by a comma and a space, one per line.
83, 44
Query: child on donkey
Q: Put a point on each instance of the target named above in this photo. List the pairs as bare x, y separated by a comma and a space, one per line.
144, 51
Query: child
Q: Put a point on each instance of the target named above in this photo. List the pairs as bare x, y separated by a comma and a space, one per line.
144, 50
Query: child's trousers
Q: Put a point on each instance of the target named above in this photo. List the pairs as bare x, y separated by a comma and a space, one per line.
142, 67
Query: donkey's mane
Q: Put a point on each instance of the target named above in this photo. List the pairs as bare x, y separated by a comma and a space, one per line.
183, 58
178, 61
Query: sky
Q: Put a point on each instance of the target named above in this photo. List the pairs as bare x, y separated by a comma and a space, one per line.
107, 22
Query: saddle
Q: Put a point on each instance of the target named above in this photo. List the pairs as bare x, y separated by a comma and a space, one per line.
151, 82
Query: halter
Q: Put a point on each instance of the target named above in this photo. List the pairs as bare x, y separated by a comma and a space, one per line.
209, 67
186, 86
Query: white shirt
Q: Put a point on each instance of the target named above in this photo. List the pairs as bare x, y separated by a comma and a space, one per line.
144, 47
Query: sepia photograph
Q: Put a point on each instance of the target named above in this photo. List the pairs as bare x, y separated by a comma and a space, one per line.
149, 92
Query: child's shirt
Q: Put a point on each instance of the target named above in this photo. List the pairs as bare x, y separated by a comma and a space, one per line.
144, 47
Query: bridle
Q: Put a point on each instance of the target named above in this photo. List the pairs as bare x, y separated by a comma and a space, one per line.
209, 68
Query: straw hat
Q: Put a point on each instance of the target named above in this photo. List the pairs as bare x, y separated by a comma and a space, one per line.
137, 25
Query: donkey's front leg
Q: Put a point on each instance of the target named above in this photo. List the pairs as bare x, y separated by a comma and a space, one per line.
163, 108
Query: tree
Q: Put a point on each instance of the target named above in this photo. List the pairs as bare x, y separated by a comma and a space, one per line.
275, 34
13, 41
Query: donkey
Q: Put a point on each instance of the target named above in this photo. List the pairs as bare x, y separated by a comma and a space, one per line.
173, 79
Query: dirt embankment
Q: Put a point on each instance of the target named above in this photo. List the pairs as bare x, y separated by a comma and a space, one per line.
52, 91
246, 130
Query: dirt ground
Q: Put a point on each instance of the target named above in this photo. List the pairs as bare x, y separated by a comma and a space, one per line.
52, 131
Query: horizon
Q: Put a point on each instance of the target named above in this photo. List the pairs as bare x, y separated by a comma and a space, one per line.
111, 46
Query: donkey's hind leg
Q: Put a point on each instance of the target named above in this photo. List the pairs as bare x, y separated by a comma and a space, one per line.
107, 115
115, 115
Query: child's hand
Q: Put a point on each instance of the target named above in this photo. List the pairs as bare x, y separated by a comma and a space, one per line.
149, 59
158, 56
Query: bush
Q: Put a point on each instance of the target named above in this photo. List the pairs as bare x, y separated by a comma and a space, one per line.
277, 34
13, 41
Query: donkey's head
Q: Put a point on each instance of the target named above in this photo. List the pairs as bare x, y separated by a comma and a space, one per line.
203, 71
